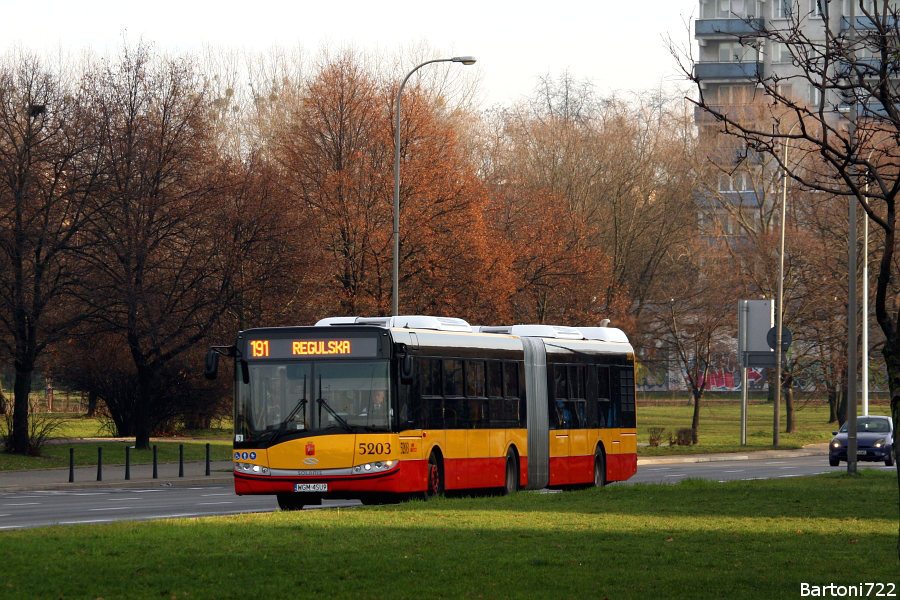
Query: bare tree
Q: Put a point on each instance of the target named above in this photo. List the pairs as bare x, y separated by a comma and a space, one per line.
689, 326
48, 173
164, 261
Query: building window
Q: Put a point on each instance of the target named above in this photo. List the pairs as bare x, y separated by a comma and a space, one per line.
734, 94
781, 53
783, 9
815, 95
729, 9
736, 52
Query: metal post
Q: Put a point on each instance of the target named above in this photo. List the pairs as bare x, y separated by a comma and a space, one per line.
779, 309
181, 460
865, 318
745, 401
99, 463
207, 459
127, 463
71, 465
155, 472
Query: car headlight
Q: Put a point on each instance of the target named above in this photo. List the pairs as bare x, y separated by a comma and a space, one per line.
835, 444
879, 443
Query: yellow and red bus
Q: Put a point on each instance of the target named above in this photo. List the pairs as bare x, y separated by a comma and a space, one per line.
370, 408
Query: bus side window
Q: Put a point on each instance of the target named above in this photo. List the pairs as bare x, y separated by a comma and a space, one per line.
605, 407
560, 413
512, 400
432, 400
477, 403
626, 397
495, 379
454, 403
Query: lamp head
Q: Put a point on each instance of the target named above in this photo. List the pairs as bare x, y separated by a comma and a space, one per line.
466, 60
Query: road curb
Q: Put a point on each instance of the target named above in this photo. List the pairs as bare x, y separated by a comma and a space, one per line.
760, 455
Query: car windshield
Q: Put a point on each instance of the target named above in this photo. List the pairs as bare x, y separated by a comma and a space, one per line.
312, 397
868, 425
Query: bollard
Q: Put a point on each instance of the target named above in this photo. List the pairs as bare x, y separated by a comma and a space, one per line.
127, 463
181, 460
71, 465
207, 459
99, 463
155, 473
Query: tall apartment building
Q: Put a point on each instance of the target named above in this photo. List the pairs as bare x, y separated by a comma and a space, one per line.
732, 55
734, 58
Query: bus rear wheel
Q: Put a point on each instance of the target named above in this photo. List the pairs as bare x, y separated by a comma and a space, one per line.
599, 469
435, 484
511, 483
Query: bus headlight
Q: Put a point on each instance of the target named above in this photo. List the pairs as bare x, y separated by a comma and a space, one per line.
375, 467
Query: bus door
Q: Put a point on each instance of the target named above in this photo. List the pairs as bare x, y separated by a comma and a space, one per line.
561, 422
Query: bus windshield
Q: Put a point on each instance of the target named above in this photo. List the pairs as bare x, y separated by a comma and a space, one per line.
312, 397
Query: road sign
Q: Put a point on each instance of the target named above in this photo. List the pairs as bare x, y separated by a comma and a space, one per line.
786, 338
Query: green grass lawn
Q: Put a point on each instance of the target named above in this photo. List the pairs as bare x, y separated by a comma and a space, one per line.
697, 539
720, 426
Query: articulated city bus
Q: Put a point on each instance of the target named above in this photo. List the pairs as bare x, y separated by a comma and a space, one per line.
370, 408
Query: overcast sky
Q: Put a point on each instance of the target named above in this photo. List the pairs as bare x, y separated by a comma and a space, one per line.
617, 45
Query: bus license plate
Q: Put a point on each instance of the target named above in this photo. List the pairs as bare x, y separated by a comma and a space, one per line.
310, 487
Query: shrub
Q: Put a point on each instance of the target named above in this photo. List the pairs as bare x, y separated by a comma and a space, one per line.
684, 436
656, 435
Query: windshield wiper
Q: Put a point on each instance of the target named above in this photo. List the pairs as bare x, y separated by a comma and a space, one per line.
336, 416
303, 402
293, 413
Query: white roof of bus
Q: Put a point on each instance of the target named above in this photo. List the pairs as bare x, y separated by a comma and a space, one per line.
602, 334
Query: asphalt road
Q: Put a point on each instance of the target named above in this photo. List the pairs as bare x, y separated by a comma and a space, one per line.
731, 470
25, 509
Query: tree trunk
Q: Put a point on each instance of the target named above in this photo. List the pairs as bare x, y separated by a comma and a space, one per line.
832, 405
891, 352
92, 404
787, 391
695, 421
142, 410
20, 435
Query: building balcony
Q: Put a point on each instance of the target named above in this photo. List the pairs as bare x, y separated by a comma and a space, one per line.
867, 23
740, 112
727, 27
736, 199
727, 70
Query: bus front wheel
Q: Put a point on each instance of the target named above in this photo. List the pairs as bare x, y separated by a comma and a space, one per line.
292, 501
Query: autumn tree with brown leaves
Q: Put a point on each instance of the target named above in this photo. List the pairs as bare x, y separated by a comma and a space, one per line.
336, 150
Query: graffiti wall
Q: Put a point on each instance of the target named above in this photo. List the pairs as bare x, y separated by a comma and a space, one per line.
724, 376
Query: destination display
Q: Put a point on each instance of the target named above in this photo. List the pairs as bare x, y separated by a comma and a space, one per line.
366, 347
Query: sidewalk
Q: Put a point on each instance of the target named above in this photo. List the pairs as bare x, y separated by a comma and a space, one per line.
809, 450
114, 477
221, 471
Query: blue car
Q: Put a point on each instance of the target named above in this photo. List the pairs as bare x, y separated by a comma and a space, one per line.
874, 441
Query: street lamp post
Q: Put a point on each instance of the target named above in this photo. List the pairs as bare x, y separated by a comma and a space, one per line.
395, 287
779, 304
865, 296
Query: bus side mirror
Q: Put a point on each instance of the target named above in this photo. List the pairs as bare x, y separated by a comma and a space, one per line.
407, 369
211, 369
